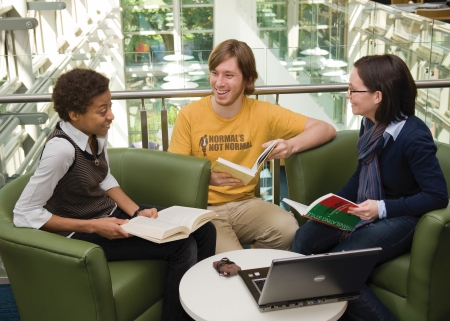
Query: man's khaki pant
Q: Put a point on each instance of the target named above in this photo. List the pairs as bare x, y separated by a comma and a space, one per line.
253, 222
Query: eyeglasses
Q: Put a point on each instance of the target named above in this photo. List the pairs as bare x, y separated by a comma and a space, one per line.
350, 92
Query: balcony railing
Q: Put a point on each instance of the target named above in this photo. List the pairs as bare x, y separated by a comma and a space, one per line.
9, 124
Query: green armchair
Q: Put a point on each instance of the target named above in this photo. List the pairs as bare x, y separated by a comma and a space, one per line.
55, 278
414, 286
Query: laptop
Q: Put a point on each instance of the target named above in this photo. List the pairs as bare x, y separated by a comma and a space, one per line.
311, 279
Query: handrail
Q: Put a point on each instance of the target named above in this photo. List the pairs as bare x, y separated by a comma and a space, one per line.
260, 90
165, 94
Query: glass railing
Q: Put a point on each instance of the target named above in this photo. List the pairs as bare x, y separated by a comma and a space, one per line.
154, 112
158, 69
346, 30
334, 34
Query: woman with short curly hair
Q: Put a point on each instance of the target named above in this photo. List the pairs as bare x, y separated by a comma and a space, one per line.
72, 192
75, 91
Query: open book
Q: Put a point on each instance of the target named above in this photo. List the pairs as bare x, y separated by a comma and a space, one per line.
173, 223
243, 173
329, 209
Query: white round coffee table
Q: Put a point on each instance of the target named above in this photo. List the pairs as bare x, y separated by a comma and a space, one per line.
207, 296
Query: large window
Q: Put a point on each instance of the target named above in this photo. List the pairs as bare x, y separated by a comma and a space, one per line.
167, 44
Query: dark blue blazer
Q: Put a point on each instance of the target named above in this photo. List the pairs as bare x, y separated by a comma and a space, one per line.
411, 177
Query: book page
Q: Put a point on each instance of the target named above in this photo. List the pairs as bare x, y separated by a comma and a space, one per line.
264, 155
329, 209
174, 237
299, 207
184, 216
238, 167
237, 171
155, 228
243, 173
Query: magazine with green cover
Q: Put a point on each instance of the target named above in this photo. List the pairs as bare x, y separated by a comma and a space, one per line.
329, 209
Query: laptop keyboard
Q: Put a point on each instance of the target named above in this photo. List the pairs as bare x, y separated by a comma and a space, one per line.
260, 284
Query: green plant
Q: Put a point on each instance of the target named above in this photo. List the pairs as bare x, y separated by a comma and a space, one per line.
172, 113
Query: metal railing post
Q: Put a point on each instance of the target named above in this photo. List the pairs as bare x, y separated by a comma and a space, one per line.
164, 127
144, 125
275, 169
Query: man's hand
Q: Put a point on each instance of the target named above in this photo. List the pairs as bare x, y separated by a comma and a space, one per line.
109, 227
367, 210
223, 179
282, 150
149, 212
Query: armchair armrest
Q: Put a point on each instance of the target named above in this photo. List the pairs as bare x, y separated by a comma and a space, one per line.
36, 260
65, 268
413, 285
430, 261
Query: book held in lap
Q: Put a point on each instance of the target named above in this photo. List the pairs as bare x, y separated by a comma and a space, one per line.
329, 209
243, 173
173, 223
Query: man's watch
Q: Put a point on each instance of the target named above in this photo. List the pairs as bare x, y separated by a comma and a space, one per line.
137, 212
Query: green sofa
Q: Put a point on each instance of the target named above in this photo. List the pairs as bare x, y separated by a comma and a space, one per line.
414, 286
55, 278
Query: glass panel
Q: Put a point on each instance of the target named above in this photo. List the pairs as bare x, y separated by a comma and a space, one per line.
197, 18
160, 69
199, 45
187, 2
141, 19
332, 35
146, 2
271, 15
199, 68
440, 51
153, 107
140, 50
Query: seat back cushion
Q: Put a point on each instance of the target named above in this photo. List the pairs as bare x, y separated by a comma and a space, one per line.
161, 178
321, 170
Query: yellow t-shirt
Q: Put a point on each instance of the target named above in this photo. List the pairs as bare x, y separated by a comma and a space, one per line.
200, 132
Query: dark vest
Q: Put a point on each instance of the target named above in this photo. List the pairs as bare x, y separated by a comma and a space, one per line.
78, 193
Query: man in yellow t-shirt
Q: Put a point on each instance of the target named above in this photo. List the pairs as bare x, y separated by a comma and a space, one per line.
230, 125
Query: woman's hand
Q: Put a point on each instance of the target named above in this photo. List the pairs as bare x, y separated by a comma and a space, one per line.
149, 212
367, 210
109, 227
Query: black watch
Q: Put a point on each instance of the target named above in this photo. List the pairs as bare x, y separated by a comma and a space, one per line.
137, 212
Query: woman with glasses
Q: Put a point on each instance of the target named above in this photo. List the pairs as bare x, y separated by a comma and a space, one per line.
398, 177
